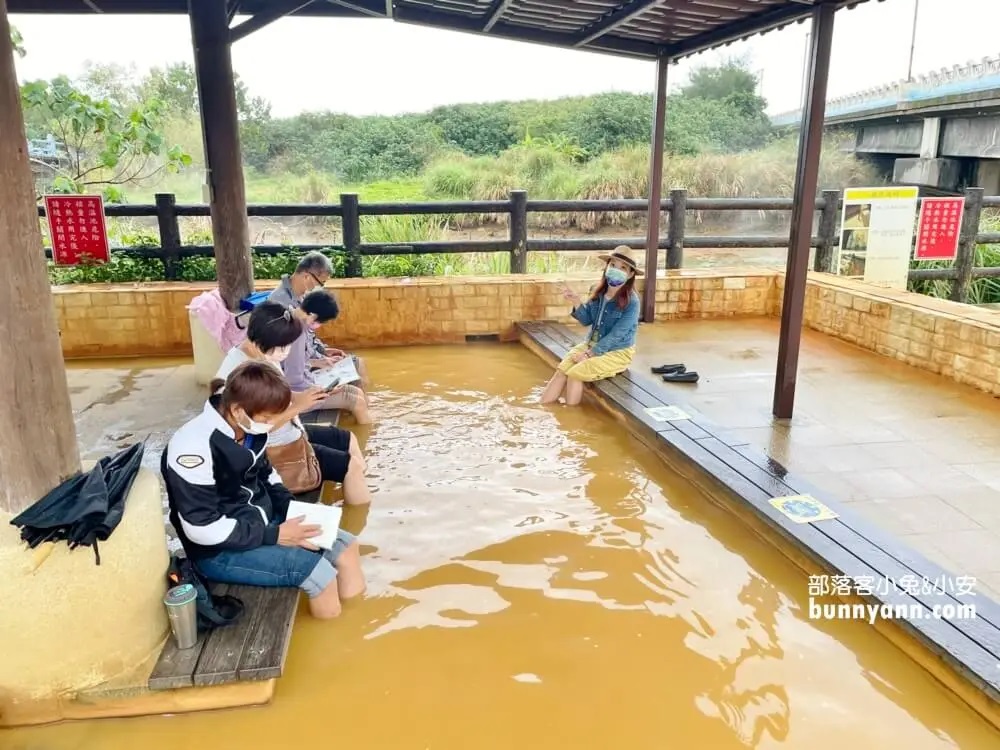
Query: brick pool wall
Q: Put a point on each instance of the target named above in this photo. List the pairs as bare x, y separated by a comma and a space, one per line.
960, 342
102, 320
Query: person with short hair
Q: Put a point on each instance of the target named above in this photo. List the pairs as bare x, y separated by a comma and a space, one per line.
612, 312
271, 333
313, 271
229, 507
318, 307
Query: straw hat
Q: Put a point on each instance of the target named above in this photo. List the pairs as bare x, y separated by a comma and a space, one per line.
624, 254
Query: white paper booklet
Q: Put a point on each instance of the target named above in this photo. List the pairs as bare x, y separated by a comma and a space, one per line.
326, 516
344, 370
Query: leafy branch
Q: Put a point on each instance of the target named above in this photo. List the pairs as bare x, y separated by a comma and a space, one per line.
107, 146
18, 41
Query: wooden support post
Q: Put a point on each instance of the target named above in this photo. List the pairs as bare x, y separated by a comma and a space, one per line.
965, 258
518, 231
350, 220
170, 233
800, 239
678, 220
826, 253
655, 190
223, 159
38, 440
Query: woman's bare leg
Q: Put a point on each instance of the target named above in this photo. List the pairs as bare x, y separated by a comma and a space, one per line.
326, 605
355, 485
350, 577
356, 453
360, 410
574, 391
363, 372
554, 388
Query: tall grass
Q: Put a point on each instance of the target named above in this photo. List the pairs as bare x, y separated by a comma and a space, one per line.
548, 173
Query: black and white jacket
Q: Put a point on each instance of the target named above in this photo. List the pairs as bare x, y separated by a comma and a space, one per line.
223, 494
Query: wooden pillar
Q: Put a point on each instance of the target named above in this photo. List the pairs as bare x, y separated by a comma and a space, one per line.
38, 440
223, 158
655, 190
803, 211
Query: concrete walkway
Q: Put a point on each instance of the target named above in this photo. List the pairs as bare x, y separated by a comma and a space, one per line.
914, 452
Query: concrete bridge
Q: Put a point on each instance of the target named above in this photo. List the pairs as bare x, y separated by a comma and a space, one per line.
941, 130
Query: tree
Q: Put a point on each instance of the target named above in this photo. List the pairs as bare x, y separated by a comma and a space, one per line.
721, 81
718, 110
176, 85
611, 121
107, 146
476, 129
112, 82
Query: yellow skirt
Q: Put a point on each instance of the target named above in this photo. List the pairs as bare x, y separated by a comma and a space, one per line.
596, 368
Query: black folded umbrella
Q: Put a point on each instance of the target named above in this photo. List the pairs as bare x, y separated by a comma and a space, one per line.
86, 507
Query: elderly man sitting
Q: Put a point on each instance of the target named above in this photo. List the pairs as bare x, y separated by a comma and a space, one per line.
312, 272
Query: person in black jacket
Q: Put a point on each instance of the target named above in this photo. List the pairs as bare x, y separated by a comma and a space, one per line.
229, 506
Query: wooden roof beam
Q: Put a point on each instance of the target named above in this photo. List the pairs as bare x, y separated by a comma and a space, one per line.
613, 20
456, 22
495, 13
757, 23
363, 10
265, 17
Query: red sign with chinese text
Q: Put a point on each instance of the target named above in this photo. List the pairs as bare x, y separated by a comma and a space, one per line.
938, 229
77, 229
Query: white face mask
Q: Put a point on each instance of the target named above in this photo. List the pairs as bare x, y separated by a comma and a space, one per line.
255, 428
278, 355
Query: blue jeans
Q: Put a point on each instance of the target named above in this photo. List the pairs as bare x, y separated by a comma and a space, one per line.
277, 566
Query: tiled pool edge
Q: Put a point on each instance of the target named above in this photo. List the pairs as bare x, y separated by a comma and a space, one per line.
720, 467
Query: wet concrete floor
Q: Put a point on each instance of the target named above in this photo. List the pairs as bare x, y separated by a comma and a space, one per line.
538, 579
916, 453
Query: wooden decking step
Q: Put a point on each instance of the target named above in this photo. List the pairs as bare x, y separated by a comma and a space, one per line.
847, 545
252, 648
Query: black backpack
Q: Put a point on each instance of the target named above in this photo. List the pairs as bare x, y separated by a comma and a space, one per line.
214, 610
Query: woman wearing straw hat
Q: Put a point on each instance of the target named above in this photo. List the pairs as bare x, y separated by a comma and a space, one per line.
612, 312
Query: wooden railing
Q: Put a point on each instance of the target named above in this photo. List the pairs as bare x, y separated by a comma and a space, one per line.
518, 244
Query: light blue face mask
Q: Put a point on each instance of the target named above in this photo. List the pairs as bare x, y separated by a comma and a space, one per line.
615, 276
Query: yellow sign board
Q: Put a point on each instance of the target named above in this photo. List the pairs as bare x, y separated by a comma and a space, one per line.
876, 234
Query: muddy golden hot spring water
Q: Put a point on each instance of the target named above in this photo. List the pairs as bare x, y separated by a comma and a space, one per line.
539, 579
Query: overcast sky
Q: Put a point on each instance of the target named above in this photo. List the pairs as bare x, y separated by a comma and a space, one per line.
370, 66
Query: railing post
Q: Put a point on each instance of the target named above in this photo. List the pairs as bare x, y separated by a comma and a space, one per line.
170, 233
351, 226
675, 231
828, 241
518, 231
965, 258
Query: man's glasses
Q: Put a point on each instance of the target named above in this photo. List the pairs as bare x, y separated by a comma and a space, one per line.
316, 279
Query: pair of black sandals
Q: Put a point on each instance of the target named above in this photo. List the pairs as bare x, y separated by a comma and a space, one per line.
675, 374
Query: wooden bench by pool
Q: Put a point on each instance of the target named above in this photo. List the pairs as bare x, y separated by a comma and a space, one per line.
252, 649
964, 654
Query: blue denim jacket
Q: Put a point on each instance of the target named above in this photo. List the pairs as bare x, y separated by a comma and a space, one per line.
611, 327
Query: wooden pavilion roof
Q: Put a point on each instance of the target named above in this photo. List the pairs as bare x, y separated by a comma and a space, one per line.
632, 28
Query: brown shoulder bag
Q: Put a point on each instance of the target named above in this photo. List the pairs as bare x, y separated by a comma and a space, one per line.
297, 465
